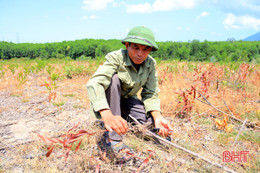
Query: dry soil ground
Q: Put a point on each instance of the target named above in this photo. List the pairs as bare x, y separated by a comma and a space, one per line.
26, 111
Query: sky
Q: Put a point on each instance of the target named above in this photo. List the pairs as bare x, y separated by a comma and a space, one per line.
42, 21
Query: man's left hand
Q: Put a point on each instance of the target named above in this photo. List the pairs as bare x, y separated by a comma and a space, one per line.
162, 124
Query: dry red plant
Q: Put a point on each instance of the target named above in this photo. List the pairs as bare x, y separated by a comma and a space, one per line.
243, 73
51, 86
202, 79
76, 137
67, 140
185, 102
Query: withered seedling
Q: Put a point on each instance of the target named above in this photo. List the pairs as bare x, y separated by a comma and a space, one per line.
68, 140
163, 76
243, 73
51, 86
202, 79
76, 137
218, 73
185, 102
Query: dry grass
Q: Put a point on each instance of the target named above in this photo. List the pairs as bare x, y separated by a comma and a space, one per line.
196, 130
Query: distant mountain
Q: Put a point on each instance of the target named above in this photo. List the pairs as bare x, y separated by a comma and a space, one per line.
255, 37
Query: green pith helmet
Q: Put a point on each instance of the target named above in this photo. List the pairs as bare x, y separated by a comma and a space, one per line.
141, 35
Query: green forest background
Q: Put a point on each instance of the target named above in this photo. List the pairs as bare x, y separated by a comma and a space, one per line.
85, 49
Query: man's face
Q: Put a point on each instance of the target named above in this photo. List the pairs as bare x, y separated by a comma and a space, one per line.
137, 52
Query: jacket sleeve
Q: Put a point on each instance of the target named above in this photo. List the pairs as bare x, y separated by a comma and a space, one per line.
150, 91
100, 81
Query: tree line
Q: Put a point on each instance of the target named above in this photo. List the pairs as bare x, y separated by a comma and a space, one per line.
195, 50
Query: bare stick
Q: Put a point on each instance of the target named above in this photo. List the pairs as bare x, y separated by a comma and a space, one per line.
208, 111
217, 155
242, 127
250, 124
202, 101
228, 108
235, 118
181, 148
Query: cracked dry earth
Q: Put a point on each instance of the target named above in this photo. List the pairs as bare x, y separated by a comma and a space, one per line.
27, 111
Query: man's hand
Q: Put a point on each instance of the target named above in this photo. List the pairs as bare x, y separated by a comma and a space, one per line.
112, 122
160, 122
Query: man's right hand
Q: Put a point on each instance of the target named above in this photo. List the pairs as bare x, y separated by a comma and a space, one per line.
112, 122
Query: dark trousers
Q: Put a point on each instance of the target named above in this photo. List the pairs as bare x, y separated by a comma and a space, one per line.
124, 106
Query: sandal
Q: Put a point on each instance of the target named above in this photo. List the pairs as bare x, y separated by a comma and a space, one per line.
115, 150
120, 147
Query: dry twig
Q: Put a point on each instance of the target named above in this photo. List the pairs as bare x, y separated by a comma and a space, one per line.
235, 118
228, 108
249, 124
242, 127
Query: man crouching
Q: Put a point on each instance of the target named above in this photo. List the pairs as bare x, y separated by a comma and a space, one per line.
113, 89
